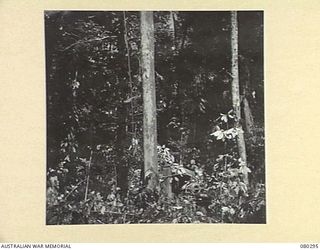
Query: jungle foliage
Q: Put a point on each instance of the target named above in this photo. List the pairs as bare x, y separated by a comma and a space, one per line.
95, 166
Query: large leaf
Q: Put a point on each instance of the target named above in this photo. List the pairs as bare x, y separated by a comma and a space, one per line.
218, 134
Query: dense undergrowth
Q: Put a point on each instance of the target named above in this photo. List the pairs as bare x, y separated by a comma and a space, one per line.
202, 193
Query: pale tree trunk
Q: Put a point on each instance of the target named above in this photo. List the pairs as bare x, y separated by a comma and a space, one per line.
171, 26
166, 171
149, 101
235, 91
248, 117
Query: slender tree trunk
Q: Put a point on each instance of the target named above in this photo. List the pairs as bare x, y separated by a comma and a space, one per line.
132, 102
122, 168
172, 27
248, 118
182, 118
88, 177
149, 101
235, 90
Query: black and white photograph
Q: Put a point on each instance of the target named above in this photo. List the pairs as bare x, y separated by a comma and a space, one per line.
155, 117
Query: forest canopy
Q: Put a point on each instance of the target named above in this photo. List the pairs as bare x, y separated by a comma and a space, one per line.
155, 117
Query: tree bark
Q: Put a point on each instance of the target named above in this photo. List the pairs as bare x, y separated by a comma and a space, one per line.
172, 27
248, 117
149, 102
235, 91
122, 167
132, 101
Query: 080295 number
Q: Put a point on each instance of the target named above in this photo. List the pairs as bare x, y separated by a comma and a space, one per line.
309, 246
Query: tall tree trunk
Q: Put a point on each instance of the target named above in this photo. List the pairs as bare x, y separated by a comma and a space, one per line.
122, 168
132, 102
149, 101
235, 91
172, 28
248, 118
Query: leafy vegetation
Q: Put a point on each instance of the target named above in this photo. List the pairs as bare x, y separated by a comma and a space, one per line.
95, 157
